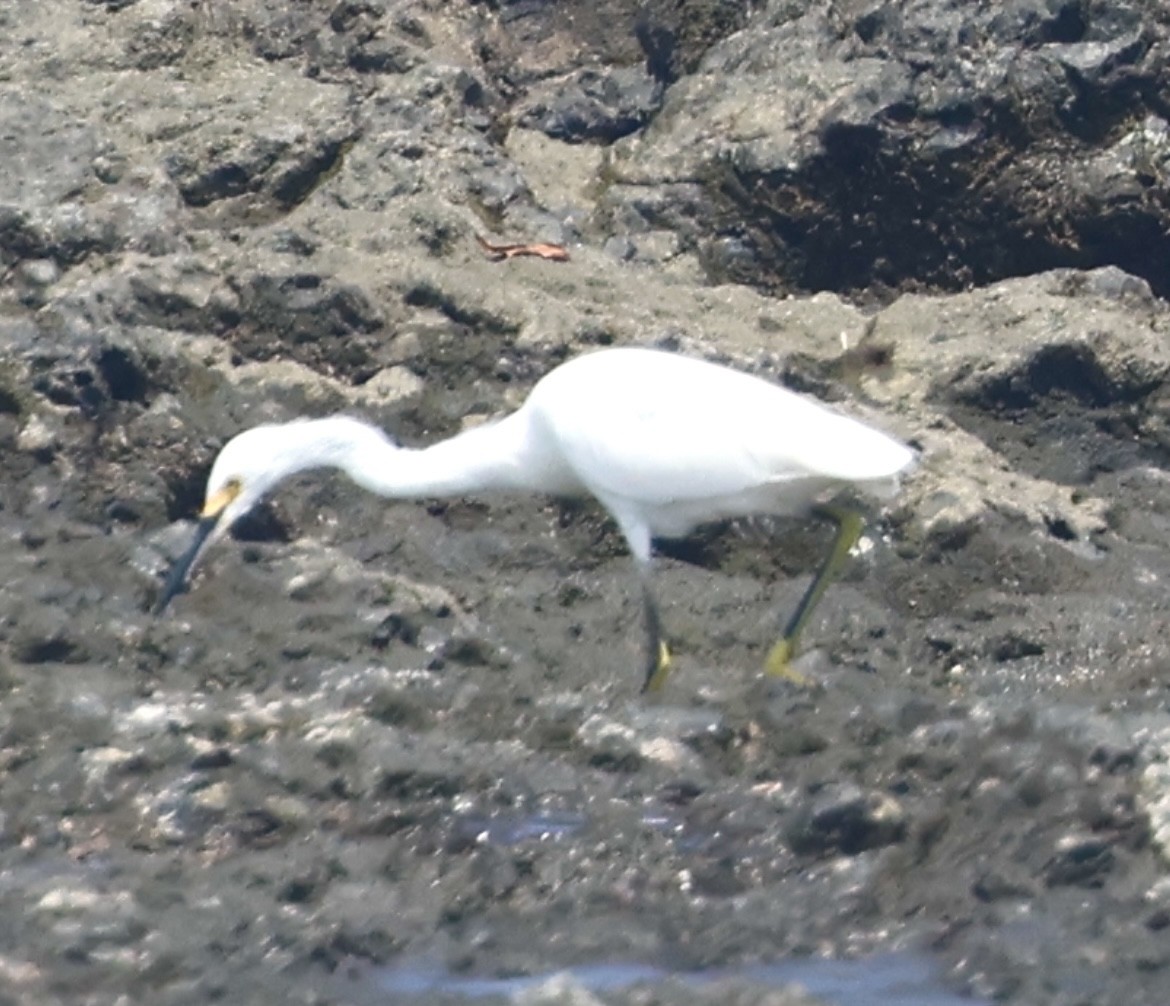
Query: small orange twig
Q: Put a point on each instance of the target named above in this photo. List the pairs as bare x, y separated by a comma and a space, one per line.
541, 249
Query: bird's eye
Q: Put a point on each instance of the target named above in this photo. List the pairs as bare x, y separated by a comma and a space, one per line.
214, 505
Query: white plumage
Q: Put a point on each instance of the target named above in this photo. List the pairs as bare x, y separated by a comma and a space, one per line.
663, 442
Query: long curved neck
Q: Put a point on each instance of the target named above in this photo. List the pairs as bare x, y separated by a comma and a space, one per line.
481, 459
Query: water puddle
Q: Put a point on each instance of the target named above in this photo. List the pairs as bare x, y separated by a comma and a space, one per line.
886, 980
896, 979
515, 829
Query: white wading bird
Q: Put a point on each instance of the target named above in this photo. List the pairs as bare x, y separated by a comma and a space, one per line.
664, 442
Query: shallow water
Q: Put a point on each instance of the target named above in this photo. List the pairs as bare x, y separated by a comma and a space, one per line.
885, 980
515, 829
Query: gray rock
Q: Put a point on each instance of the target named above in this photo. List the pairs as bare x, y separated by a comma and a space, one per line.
848, 820
926, 125
602, 105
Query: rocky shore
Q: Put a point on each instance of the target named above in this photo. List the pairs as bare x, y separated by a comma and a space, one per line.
375, 735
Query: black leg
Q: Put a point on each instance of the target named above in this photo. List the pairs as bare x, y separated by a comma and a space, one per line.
657, 654
849, 525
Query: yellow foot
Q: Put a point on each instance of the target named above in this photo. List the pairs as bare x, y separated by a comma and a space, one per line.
779, 664
658, 674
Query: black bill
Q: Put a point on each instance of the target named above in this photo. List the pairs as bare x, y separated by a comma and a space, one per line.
176, 580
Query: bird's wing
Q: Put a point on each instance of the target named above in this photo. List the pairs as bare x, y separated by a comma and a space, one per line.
656, 429
666, 449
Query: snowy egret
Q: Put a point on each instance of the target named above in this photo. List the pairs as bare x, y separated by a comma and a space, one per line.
663, 442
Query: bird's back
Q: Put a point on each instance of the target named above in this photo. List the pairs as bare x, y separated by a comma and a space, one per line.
683, 440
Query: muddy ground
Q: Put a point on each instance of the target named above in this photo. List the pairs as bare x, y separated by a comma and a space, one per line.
375, 735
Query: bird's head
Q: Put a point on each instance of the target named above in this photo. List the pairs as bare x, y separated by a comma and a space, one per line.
248, 466
253, 462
